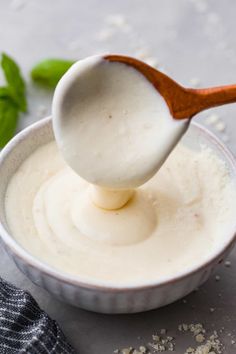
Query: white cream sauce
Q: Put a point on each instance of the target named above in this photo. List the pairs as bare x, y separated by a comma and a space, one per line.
174, 221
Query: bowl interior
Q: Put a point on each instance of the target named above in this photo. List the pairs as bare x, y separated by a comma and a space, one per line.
16, 151
41, 133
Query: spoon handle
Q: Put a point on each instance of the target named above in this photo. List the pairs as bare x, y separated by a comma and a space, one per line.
183, 102
197, 100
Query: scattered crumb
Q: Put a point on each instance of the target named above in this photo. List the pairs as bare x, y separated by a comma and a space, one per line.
208, 344
183, 327
194, 82
151, 61
200, 338
212, 119
212, 309
217, 278
118, 21
17, 4
127, 350
201, 7
228, 264
156, 337
114, 23
213, 18
142, 53
105, 34
212, 346
196, 329
220, 126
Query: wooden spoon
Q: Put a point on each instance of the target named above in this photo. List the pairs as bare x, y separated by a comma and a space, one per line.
182, 102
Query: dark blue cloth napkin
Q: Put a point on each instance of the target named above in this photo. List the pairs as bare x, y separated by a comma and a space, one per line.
25, 328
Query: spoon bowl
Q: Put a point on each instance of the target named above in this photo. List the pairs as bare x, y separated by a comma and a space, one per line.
111, 125
116, 119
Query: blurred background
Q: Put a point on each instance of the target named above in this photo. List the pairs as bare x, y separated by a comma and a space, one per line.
191, 40
194, 42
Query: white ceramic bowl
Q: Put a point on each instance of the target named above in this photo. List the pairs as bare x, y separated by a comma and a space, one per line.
96, 296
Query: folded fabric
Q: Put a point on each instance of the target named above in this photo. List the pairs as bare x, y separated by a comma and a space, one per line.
25, 328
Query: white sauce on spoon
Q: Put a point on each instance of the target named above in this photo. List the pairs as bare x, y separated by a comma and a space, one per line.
112, 127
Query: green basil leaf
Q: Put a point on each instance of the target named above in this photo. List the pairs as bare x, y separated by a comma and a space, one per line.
4, 92
8, 119
16, 84
48, 72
